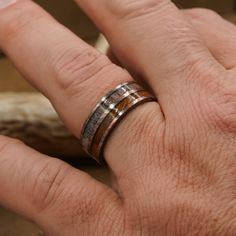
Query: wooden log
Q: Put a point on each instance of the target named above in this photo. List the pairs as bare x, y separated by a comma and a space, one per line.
31, 118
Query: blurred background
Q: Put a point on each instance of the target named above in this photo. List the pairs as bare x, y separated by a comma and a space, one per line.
26, 115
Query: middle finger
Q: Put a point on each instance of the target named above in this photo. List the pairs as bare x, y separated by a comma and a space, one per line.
153, 39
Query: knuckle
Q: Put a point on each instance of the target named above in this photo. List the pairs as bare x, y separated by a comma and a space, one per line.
224, 114
75, 70
198, 70
23, 16
185, 43
134, 8
54, 183
201, 13
218, 105
192, 65
47, 183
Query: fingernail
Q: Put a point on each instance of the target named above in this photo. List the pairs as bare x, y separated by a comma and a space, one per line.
5, 3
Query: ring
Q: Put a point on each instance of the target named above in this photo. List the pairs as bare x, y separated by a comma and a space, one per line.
108, 113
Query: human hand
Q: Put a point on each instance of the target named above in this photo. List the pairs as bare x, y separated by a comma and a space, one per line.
174, 162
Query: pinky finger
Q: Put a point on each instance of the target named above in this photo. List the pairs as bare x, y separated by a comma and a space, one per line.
48, 191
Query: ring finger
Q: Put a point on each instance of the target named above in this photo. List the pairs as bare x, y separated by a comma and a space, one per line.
73, 75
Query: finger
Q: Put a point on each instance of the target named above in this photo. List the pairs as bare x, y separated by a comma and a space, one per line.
52, 58
73, 75
154, 38
48, 191
218, 34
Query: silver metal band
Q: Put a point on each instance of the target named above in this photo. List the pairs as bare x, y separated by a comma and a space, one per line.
107, 113
103, 108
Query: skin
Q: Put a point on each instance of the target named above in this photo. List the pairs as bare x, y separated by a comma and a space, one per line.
173, 162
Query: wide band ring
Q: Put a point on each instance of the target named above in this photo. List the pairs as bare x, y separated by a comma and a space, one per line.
107, 114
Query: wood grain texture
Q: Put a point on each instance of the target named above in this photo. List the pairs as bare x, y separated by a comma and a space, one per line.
31, 118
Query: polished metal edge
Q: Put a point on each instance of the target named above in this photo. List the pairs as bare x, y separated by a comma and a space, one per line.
117, 119
103, 108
